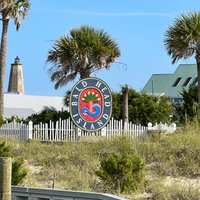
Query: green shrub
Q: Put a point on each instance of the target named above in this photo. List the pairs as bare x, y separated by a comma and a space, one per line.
18, 171
46, 115
189, 109
14, 118
10, 119
5, 151
124, 173
1, 120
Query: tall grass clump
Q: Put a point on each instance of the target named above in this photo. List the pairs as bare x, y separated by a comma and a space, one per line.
173, 191
60, 165
176, 154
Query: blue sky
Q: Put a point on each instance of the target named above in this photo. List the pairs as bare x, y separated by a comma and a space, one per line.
138, 26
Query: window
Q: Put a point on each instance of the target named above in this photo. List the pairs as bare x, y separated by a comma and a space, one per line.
187, 81
177, 82
195, 81
176, 100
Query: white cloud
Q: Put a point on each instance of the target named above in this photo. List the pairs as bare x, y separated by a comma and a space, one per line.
108, 14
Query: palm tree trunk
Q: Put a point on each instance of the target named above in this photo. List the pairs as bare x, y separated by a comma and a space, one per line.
85, 73
5, 20
198, 74
125, 106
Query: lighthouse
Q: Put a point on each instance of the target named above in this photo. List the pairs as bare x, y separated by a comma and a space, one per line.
16, 82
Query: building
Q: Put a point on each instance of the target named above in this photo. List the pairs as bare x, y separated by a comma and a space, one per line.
16, 80
16, 103
25, 105
172, 84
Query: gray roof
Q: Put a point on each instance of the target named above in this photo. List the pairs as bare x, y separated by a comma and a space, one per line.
20, 112
25, 105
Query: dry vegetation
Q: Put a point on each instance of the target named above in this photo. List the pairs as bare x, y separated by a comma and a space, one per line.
172, 164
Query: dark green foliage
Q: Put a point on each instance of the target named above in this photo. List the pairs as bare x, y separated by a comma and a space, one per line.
48, 114
117, 105
143, 108
18, 171
5, 151
12, 118
1, 121
123, 173
66, 98
189, 109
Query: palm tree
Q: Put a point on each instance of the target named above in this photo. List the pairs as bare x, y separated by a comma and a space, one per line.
80, 53
67, 98
182, 40
9, 9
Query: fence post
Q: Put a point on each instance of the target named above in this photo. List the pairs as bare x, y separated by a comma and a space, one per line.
5, 178
160, 126
149, 126
78, 131
125, 128
30, 130
174, 126
103, 131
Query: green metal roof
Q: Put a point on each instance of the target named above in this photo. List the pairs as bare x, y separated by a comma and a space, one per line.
172, 84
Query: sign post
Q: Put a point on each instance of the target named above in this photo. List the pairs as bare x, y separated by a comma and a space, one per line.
5, 178
91, 104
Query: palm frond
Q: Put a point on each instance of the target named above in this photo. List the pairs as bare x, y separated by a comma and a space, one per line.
182, 38
62, 81
83, 51
17, 9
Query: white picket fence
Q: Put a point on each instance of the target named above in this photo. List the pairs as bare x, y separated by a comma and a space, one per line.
65, 130
162, 127
18, 131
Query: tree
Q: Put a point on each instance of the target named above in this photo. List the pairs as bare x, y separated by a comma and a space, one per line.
189, 109
9, 9
143, 108
116, 105
82, 52
66, 99
182, 40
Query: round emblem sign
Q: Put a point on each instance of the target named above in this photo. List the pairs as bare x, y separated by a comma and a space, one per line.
91, 104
